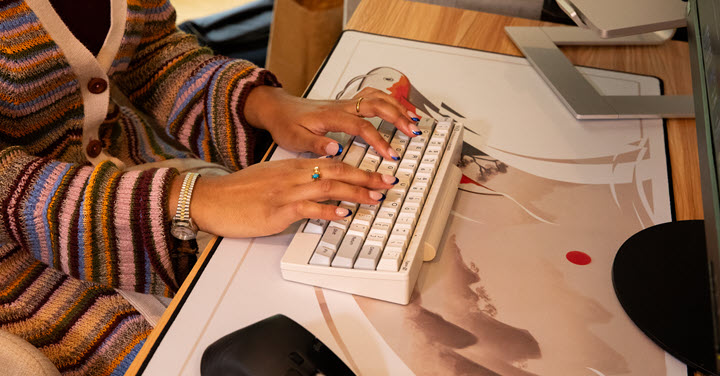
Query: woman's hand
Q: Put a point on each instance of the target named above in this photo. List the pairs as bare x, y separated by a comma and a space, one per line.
266, 198
300, 124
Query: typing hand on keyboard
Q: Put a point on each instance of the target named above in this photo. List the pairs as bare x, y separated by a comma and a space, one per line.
266, 198
377, 251
299, 124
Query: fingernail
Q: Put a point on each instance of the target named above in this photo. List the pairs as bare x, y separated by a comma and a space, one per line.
413, 116
393, 154
415, 130
389, 179
333, 148
342, 212
377, 196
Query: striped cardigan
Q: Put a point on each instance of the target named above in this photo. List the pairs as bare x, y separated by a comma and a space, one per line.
75, 222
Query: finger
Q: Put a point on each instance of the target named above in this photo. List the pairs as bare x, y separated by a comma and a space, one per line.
336, 170
307, 209
370, 92
371, 107
321, 145
327, 189
341, 121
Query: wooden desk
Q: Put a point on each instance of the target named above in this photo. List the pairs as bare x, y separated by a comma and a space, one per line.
456, 27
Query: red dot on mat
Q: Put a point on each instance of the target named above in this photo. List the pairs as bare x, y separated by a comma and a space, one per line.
578, 258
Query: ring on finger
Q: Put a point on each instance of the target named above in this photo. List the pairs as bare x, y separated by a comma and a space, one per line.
316, 173
357, 106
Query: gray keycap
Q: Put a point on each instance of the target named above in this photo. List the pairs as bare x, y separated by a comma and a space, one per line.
332, 237
368, 257
345, 257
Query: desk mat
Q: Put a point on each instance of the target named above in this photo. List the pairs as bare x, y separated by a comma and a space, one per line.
522, 283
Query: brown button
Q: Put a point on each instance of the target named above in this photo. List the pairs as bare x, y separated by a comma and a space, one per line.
94, 148
97, 85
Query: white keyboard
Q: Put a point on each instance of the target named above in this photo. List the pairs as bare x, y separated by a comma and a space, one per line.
378, 250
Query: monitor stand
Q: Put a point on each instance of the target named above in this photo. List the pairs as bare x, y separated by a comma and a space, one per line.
660, 277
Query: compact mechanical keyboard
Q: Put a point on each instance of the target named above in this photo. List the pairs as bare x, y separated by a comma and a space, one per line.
378, 250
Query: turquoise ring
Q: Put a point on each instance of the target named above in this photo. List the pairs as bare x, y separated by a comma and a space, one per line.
316, 173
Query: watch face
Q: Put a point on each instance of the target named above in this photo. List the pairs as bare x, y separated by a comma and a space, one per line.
182, 232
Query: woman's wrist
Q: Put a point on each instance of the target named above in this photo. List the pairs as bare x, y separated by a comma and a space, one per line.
260, 103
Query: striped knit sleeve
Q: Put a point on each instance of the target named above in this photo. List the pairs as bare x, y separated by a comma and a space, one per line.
198, 97
93, 223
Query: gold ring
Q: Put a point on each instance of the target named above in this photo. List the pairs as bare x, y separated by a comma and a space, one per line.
316, 173
357, 105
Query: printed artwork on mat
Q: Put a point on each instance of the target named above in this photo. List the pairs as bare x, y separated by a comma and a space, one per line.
522, 286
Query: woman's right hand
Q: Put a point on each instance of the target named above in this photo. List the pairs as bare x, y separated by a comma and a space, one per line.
266, 198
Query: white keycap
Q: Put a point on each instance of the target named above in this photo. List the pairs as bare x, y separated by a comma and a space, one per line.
409, 209
414, 199
401, 230
426, 170
363, 217
376, 239
433, 151
394, 206
358, 230
387, 167
386, 215
408, 166
415, 147
371, 208
349, 249
341, 224
418, 188
437, 142
426, 124
316, 226
404, 176
322, 256
390, 260
369, 164
354, 155
332, 238
380, 228
406, 222
368, 257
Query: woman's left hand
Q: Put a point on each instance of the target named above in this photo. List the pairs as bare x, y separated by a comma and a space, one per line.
299, 124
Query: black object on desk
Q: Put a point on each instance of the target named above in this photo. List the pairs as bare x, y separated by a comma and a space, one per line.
276, 346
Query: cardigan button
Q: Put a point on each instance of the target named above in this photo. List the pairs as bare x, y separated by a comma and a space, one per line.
94, 147
97, 85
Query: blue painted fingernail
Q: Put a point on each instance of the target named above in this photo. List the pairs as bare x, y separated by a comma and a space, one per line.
340, 149
417, 133
395, 158
349, 213
383, 197
396, 181
415, 119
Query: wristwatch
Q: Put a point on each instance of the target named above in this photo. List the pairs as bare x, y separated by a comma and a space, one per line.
182, 226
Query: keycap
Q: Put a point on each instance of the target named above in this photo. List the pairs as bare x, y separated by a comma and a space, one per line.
358, 229
386, 130
345, 257
316, 226
332, 237
322, 256
354, 155
368, 257
390, 259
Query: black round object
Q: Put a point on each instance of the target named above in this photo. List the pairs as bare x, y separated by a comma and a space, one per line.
661, 279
